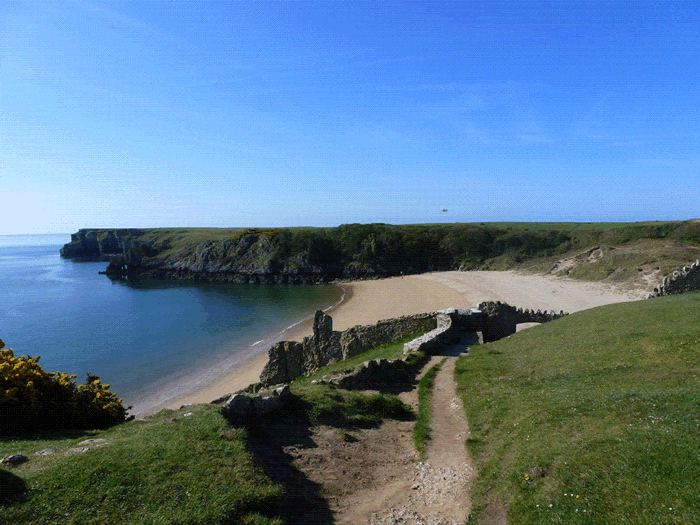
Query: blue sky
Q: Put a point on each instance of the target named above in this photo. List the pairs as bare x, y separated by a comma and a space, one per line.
147, 114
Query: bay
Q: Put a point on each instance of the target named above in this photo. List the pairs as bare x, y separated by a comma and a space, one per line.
142, 337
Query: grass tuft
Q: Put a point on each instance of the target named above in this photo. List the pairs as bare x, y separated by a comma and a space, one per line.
421, 430
332, 406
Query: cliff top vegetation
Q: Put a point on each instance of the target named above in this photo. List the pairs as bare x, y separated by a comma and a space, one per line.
354, 251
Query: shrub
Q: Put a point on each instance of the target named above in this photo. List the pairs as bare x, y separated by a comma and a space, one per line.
33, 399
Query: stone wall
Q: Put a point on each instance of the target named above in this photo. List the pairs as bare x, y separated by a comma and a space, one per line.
449, 322
289, 360
687, 279
501, 319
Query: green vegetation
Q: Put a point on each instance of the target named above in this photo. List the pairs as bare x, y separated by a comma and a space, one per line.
421, 430
328, 405
33, 399
388, 351
592, 418
186, 466
369, 250
325, 403
169, 468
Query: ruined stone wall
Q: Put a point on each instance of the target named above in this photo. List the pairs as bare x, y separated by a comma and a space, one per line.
449, 323
538, 316
289, 360
501, 319
362, 338
687, 279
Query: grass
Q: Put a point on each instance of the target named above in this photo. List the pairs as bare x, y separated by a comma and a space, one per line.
165, 469
591, 419
421, 430
326, 404
387, 351
626, 262
171, 468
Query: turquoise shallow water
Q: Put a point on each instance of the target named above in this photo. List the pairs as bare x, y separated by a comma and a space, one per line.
140, 337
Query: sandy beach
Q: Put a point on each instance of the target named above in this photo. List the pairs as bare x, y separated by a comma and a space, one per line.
367, 302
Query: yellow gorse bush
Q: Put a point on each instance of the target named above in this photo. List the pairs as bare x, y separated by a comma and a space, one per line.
33, 399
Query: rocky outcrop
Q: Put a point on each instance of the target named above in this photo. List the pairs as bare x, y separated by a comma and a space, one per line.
685, 279
100, 245
243, 408
246, 258
14, 459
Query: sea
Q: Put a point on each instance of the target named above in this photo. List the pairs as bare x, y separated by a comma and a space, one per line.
149, 340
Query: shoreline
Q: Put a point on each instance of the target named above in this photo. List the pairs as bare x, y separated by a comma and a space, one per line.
367, 302
244, 367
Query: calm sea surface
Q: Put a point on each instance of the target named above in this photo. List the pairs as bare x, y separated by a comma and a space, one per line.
139, 337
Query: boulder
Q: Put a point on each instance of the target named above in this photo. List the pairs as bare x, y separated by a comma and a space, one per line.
323, 326
267, 404
284, 391
239, 406
14, 460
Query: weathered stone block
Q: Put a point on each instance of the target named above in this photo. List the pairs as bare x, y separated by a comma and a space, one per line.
275, 370
323, 326
293, 353
239, 406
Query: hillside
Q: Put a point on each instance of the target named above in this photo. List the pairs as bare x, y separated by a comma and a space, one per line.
641, 253
592, 418
589, 419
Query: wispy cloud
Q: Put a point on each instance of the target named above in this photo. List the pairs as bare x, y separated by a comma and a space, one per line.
118, 18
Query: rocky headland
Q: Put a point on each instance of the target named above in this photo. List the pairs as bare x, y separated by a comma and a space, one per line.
642, 254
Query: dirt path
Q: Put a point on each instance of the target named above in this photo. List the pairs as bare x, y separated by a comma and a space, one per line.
448, 465
376, 477
440, 486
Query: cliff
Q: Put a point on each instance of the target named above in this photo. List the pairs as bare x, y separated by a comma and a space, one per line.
98, 245
353, 251
241, 256
301, 255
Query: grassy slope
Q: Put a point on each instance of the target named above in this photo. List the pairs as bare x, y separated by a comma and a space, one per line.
166, 469
593, 418
340, 407
170, 468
